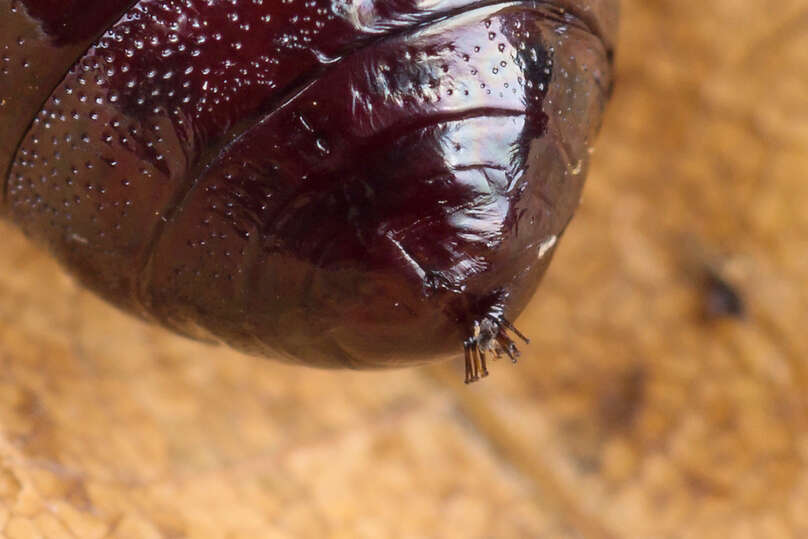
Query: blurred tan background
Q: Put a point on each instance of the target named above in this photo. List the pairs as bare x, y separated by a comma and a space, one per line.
630, 416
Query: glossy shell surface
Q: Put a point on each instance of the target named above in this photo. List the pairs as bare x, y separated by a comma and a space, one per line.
362, 184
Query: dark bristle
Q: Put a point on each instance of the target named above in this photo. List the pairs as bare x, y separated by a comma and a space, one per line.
469, 368
510, 326
476, 362
483, 364
508, 346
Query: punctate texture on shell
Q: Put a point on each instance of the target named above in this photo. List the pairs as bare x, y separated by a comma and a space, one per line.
359, 183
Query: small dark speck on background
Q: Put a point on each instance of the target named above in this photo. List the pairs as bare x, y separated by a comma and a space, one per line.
721, 299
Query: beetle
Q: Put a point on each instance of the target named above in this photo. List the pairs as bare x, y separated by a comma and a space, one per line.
338, 183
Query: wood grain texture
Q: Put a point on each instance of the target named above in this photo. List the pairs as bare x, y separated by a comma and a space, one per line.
629, 416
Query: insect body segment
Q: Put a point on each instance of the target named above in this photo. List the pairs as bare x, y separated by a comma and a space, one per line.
362, 184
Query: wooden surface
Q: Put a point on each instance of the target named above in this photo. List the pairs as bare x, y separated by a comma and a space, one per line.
630, 416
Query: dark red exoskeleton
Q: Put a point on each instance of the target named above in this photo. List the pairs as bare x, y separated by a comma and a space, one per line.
342, 183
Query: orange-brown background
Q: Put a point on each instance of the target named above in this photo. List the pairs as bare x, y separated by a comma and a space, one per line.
629, 416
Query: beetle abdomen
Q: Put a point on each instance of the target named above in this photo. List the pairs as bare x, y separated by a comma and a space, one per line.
356, 184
